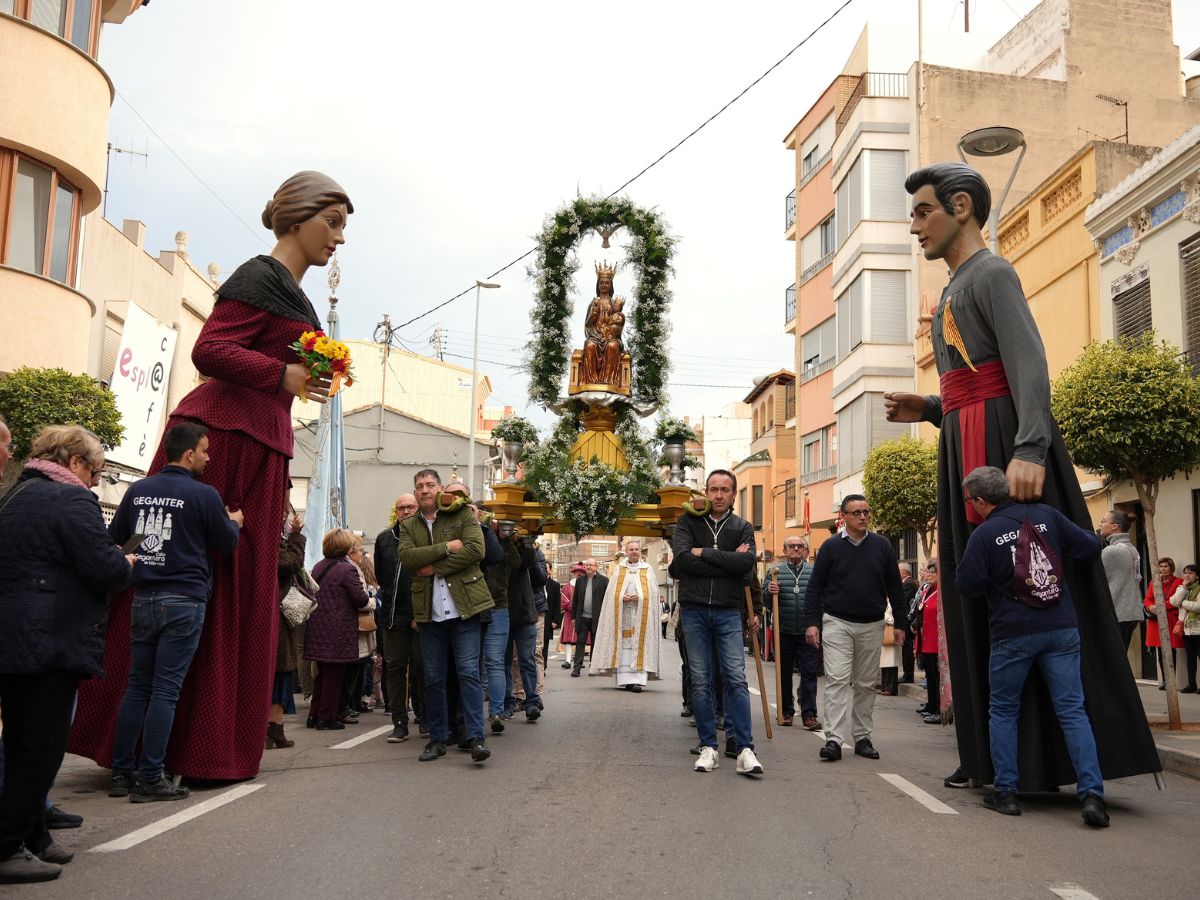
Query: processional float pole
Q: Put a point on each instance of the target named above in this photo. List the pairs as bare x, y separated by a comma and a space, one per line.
762, 683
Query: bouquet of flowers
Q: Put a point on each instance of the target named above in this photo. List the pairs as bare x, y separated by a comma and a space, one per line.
325, 357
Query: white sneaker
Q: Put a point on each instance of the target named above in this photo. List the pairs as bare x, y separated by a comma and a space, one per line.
747, 763
708, 760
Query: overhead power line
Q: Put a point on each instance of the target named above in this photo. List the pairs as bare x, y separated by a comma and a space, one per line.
691, 134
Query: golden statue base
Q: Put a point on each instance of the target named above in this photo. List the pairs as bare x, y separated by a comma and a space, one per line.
648, 519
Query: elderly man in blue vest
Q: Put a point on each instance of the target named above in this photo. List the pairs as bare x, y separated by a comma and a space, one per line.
789, 582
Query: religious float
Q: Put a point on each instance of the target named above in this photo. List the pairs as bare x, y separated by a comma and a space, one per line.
597, 472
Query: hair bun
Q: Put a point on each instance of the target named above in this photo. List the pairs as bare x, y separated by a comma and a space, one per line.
268, 214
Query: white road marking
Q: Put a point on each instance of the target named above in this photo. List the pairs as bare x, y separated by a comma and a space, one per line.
156, 828
926, 799
755, 692
362, 738
1072, 892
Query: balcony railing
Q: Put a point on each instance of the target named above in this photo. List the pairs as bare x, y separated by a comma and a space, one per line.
789, 499
811, 372
789, 210
808, 274
789, 304
1192, 358
819, 475
789, 401
873, 84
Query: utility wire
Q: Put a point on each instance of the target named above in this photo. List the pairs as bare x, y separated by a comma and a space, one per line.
192, 171
667, 153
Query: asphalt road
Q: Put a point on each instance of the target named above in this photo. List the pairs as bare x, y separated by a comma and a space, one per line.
599, 799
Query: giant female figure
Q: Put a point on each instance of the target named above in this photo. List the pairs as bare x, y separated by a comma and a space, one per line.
252, 377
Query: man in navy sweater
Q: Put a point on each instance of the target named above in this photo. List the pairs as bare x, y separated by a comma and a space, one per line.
853, 579
182, 522
1024, 636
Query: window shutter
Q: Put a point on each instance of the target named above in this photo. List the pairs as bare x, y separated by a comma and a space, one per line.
881, 429
859, 440
843, 325
855, 295
1189, 256
849, 202
887, 195
108, 357
888, 307
1131, 310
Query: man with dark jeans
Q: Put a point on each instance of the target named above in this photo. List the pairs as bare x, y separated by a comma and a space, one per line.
523, 619
1031, 623
398, 637
443, 547
789, 584
587, 602
182, 521
905, 618
714, 554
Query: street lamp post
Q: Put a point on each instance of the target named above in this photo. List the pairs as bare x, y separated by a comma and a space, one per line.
472, 421
996, 140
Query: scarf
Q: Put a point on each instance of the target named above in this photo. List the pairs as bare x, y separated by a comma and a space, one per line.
264, 282
55, 472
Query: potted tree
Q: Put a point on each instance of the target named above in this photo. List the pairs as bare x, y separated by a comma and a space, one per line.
674, 434
513, 433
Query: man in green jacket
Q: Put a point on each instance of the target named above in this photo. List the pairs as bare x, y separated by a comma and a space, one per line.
443, 546
789, 581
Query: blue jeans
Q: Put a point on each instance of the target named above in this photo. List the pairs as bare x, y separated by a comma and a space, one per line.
1056, 654
717, 631
522, 639
495, 643
436, 640
164, 630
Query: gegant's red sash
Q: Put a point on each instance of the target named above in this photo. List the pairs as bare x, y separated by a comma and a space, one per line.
967, 391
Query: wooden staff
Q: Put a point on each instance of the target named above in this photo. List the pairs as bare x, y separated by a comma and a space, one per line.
775, 634
762, 684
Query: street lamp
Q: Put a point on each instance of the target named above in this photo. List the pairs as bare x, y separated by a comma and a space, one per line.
474, 392
996, 140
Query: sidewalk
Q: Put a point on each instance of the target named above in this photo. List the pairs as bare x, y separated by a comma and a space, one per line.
1179, 750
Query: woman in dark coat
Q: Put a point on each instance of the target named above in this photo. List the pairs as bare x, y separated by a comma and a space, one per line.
253, 375
331, 635
56, 570
290, 645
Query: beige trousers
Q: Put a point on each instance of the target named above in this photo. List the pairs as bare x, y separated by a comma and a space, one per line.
851, 664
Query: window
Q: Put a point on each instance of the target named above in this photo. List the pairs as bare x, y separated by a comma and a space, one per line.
828, 235
862, 425
872, 189
742, 503
1189, 257
810, 160
77, 21
757, 501
850, 317
1131, 311
42, 229
818, 346
874, 308
818, 454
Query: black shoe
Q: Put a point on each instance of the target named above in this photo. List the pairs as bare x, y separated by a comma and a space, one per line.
696, 750
497, 724
566, 665
25, 868
55, 853
479, 750
120, 784
686, 712
533, 712
957, 779
923, 709
1094, 812
399, 734
634, 688
163, 789
1190, 689
1004, 802
432, 751
831, 752
310, 722
56, 818
332, 725
422, 729
865, 749
731, 749
574, 673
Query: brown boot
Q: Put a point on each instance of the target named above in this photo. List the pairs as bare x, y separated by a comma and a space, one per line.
276, 738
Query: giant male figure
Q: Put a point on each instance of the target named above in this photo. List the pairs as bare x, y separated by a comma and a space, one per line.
994, 409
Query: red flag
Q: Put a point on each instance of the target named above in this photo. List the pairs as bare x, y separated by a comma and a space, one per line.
807, 517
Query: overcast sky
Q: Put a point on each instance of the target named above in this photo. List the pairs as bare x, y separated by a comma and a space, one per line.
456, 128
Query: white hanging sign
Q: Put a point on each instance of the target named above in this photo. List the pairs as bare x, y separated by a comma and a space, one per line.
139, 382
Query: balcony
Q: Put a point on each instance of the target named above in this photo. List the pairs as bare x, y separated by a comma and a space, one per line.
873, 84
811, 272
789, 499
811, 372
789, 305
819, 475
789, 401
1192, 358
789, 210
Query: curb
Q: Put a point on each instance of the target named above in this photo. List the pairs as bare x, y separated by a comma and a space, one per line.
1178, 762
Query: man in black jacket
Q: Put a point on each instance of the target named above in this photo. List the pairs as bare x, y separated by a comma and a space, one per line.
553, 614
585, 609
398, 636
854, 578
522, 633
714, 556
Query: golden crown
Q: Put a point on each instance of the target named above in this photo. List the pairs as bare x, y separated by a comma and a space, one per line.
604, 270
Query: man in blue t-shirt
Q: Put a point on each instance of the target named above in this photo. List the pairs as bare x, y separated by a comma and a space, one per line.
181, 521
1023, 636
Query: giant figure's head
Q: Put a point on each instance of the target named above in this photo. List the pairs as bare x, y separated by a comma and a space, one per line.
309, 209
947, 197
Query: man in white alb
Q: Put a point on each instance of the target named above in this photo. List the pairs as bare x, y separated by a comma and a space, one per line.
627, 634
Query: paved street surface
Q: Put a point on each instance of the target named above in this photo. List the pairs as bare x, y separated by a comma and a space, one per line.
599, 799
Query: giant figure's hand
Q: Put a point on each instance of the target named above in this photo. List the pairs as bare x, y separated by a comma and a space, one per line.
901, 407
1025, 480
299, 383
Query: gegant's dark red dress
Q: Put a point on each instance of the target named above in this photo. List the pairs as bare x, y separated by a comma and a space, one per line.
221, 718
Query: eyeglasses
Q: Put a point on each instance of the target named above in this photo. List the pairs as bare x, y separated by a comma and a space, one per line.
858, 512
794, 547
